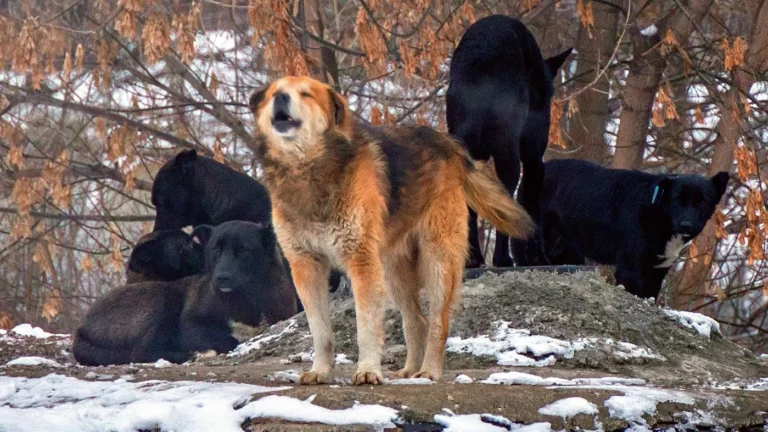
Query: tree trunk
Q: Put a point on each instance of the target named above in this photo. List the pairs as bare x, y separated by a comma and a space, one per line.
690, 285
587, 128
645, 71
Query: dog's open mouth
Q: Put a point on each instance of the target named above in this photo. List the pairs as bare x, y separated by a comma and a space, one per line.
282, 122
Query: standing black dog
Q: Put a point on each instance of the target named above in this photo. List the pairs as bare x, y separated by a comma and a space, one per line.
636, 221
244, 280
498, 105
164, 255
196, 190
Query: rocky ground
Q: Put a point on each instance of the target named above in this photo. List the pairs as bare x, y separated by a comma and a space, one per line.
520, 342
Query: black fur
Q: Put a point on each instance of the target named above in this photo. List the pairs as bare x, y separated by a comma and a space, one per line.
196, 190
244, 281
623, 218
498, 105
165, 256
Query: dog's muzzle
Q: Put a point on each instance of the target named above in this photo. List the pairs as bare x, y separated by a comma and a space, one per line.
281, 119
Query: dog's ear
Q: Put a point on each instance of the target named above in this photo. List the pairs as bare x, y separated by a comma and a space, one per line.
720, 182
661, 189
339, 107
555, 62
202, 234
256, 98
145, 254
185, 157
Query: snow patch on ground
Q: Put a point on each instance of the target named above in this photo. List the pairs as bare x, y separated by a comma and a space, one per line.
520, 378
33, 361
513, 347
256, 342
638, 401
291, 376
763, 356
291, 409
162, 363
463, 379
703, 324
67, 404
309, 357
517, 347
28, 330
569, 407
342, 359
485, 423
410, 381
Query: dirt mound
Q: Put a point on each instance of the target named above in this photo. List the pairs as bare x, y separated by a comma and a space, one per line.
594, 325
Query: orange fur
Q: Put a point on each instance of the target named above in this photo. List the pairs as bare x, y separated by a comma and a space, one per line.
388, 206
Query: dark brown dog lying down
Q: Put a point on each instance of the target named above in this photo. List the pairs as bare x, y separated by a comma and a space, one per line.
245, 280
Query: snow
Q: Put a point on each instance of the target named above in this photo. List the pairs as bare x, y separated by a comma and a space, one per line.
291, 376
342, 359
649, 31
638, 401
28, 330
67, 404
763, 356
463, 379
256, 342
291, 409
162, 364
410, 381
485, 423
517, 347
703, 324
33, 361
520, 378
513, 347
569, 407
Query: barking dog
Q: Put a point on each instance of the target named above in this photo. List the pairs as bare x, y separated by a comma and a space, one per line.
386, 205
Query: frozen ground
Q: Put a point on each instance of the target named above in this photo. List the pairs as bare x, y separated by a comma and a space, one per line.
528, 351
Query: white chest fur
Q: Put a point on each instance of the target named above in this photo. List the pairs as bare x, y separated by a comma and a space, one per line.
672, 250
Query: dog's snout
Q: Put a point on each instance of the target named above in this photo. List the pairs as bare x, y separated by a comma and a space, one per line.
282, 100
686, 227
223, 280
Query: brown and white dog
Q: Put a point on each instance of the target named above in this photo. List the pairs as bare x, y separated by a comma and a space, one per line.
386, 205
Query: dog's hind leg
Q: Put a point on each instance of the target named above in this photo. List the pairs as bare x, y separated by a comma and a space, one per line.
507, 165
310, 276
403, 284
442, 253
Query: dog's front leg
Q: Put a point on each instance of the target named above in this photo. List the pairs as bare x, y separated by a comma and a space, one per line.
365, 271
311, 279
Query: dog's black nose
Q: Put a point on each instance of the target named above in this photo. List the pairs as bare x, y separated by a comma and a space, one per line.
281, 100
223, 280
686, 228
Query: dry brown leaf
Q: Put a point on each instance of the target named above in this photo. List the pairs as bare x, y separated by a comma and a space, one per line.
15, 157
86, 265
51, 306
6, 323
555, 134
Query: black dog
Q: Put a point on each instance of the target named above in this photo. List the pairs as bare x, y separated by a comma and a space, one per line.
165, 256
244, 281
636, 221
498, 105
196, 190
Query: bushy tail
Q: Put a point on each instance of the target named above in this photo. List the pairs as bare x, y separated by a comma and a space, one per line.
491, 201
88, 353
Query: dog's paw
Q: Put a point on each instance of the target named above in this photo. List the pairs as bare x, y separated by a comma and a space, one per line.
314, 378
404, 373
362, 377
206, 355
425, 373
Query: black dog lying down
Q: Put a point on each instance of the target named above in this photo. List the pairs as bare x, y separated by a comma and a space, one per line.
165, 256
195, 190
636, 221
244, 281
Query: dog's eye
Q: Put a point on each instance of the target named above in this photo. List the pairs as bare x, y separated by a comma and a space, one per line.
306, 94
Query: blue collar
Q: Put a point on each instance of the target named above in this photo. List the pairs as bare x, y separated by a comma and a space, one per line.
655, 194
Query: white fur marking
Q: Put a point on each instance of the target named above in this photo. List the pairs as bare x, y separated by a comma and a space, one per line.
672, 250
